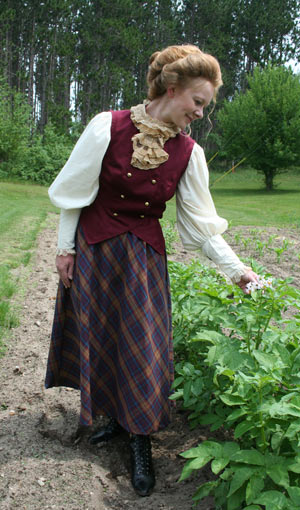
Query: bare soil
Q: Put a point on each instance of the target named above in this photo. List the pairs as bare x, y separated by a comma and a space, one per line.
46, 462
252, 244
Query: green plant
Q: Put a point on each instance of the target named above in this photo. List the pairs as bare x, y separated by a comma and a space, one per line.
248, 478
246, 241
249, 385
45, 156
281, 249
237, 237
170, 234
260, 246
14, 128
269, 145
270, 240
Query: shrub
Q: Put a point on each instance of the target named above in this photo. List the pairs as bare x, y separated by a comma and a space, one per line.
45, 157
238, 371
14, 129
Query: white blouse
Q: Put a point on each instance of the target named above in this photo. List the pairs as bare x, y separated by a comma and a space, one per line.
199, 225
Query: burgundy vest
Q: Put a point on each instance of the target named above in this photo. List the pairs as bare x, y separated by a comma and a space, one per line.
130, 199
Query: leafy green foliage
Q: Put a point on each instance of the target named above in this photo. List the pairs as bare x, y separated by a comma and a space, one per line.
170, 234
45, 156
25, 154
14, 128
94, 55
238, 370
268, 120
261, 29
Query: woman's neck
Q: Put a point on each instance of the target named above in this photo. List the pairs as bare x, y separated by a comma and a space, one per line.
159, 109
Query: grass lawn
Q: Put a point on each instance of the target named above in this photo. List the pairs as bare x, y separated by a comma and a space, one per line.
23, 208
241, 199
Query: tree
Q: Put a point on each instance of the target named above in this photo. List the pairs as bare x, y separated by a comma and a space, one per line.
263, 124
266, 30
74, 58
14, 128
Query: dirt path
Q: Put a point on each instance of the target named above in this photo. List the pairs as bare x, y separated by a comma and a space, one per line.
42, 465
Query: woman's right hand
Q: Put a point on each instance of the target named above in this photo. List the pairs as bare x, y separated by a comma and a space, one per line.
65, 265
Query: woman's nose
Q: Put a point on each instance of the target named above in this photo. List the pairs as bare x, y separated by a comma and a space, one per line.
199, 113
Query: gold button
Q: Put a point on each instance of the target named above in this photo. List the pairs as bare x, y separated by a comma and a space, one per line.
142, 216
129, 174
154, 181
122, 196
115, 214
147, 204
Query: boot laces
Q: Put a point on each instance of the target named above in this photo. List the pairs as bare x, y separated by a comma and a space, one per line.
142, 454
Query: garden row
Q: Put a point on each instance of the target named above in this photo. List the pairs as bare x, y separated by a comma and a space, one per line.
238, 372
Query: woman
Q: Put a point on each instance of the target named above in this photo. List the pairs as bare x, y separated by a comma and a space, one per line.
112, 328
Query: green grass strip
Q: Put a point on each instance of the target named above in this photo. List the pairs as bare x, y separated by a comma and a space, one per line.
242, 199
23, 208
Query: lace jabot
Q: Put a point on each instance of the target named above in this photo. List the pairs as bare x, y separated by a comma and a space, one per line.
148, 144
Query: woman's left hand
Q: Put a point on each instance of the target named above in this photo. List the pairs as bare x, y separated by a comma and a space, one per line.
249, 276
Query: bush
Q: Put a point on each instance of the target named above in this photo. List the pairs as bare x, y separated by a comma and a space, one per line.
14, 129
45, 157
24, 155
238, 371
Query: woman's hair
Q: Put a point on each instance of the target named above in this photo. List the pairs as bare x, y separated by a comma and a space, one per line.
176, 65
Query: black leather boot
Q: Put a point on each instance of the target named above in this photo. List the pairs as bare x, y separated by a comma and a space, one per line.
142, 471
106, 433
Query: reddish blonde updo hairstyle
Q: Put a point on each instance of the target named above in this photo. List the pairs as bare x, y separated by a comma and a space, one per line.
176, 65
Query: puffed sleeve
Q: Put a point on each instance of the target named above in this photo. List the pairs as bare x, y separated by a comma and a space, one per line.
77, 184
198, 223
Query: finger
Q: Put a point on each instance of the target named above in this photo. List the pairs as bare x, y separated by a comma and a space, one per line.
70, 270
66, 283
64, 278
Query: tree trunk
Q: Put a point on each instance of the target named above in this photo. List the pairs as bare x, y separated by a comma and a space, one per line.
43, 98
31, 67
269, 177
8, 58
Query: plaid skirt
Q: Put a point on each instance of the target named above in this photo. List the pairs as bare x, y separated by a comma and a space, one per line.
112, 334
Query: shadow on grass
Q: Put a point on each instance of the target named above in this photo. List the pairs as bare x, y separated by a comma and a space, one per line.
253, 192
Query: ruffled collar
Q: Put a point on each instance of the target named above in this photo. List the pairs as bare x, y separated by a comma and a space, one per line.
148, 144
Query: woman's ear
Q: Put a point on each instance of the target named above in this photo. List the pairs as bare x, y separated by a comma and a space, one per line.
171, 91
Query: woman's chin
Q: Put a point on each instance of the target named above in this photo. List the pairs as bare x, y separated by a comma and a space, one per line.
184, 125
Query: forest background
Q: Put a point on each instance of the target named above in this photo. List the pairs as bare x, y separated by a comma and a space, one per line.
63, 61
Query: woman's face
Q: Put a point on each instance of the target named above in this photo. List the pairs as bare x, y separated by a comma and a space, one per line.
187, 104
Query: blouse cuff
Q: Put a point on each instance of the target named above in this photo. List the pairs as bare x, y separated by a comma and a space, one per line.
217, 249
60, 252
